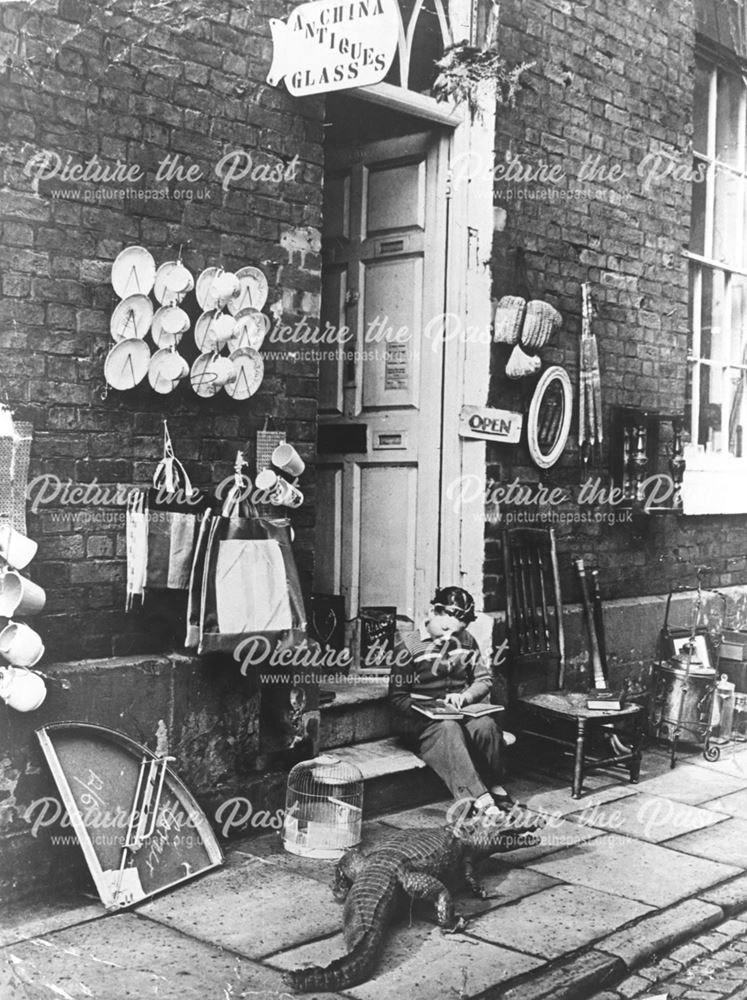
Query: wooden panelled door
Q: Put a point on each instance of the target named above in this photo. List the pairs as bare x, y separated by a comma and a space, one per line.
384, 246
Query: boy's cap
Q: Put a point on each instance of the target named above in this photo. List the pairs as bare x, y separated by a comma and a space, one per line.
455, 601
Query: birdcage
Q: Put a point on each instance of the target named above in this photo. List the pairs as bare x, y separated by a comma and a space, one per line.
323, 808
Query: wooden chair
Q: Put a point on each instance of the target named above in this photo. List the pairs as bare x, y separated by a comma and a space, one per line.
537, 700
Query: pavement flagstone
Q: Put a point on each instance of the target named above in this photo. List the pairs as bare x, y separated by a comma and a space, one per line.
620, 876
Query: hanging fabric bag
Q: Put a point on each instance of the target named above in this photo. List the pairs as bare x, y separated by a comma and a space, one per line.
250, 583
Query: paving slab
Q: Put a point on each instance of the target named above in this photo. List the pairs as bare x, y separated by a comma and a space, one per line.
31, 918
692, 784
657, 760
650, 817
733, 760
570, 980
734, 804
120, 958
659, 931
559, 835
726, 842
559, 801
503, 885
253, 909
731, 896
421, 963
557, 921
635, 869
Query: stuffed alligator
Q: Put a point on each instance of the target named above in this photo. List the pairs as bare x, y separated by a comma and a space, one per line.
412, 862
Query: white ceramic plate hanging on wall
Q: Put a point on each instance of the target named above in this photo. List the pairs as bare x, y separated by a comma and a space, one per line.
251, 370
126, 364
205, 298
132, 318
250, 330
133, 272
203, 338
172, 282
253, 291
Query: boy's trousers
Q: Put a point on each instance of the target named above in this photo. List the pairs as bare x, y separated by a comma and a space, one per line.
463, 754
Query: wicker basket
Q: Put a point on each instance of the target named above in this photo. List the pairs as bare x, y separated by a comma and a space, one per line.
509, 316
541, 321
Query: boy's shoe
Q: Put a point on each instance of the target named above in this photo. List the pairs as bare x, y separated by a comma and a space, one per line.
489, 812
504, 801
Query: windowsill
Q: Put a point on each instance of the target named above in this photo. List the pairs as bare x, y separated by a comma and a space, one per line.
714, 483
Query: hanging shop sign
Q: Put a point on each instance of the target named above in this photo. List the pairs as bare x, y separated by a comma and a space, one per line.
490, 425
333, 45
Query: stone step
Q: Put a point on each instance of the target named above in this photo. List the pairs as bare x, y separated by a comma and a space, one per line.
394, 778
359, 713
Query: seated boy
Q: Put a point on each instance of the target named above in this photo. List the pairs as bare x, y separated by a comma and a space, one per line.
443, 660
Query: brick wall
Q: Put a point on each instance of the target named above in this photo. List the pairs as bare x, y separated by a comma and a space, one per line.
89, 79
612, 81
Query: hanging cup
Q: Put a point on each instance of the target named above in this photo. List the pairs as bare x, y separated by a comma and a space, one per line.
19, 596
20, 645
225, 371
21, 689
277, 490
222, 328
286, 459
16, 549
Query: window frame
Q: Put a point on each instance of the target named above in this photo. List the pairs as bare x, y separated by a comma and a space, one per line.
715, 482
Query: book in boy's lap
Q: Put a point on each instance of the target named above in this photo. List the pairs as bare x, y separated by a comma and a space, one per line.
436, 708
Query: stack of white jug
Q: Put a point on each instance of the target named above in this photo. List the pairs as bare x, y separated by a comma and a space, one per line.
20, 645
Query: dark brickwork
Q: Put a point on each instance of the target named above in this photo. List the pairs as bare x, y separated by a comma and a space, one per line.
613, 81
87, 80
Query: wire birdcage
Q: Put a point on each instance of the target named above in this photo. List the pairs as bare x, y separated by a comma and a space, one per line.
323, 808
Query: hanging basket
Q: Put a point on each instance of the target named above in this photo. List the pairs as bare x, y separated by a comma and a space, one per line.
521, 364
541, 321
508, 319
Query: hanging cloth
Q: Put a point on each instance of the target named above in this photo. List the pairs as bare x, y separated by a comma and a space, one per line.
162, 528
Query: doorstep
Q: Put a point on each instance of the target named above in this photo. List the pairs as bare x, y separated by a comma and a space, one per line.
359, 711
356, 727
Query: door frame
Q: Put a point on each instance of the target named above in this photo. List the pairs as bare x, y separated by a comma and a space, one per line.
461, 553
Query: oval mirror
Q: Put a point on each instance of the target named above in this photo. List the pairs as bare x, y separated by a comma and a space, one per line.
549, 420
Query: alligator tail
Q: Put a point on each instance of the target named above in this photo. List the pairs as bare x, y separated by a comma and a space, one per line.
351, 969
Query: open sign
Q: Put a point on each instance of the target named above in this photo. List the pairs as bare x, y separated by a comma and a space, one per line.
490, 425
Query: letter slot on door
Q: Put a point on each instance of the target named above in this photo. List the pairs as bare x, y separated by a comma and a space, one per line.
342, 439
